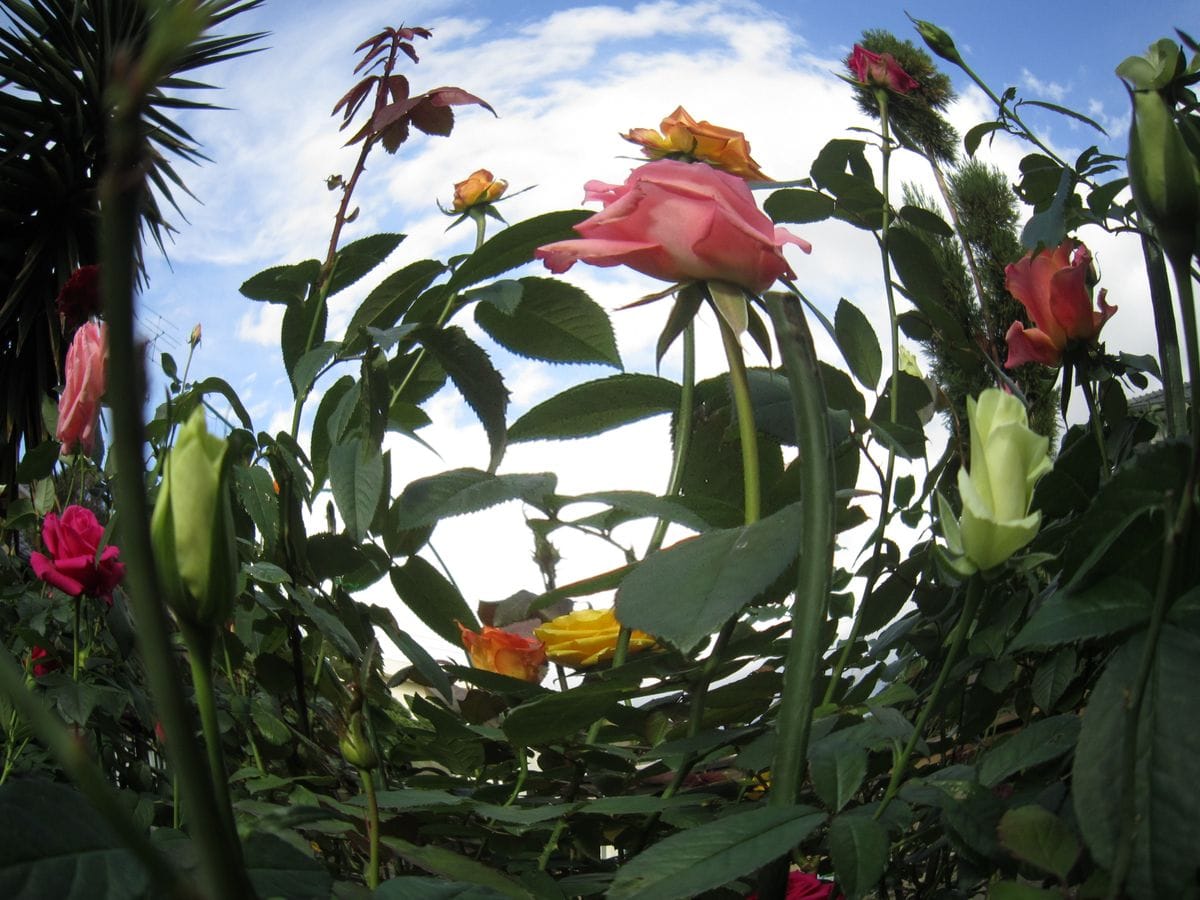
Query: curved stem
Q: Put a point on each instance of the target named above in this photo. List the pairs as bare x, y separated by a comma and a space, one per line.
683, 430
1167, 335
809, 408
957, 640
77, 602
1097, 426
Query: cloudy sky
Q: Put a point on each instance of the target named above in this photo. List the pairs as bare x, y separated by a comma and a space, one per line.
565, 79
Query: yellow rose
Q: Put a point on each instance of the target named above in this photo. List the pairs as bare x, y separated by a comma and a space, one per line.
478, 188
587, 637
684, 137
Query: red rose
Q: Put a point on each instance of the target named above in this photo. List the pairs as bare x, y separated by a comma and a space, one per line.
79, 405
880, 70
42, 668
679, 222
1053, 288
72, 565
803, 886
79, 298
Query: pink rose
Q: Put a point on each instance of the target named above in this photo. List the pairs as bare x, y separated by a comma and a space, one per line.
1053, 288
880, 70
679, 221
79, 405
72, 565
803, 886
42, 662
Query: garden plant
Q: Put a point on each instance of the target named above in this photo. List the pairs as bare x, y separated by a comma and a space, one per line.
925, 626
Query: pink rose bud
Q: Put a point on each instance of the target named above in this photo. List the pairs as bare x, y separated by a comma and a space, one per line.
79, 404
880, 70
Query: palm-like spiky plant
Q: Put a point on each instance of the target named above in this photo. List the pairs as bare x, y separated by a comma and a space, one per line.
56, 59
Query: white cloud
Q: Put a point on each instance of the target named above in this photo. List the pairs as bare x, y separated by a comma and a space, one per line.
1044, 90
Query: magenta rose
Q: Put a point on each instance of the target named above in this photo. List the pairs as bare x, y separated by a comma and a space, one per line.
803, 886
679, 221
72, 564
880, 70
79, 405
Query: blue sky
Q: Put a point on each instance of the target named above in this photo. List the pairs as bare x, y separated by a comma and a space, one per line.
566, 78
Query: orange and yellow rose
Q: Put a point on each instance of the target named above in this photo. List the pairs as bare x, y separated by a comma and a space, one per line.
587, 637
505, 653
683, 137
477, 188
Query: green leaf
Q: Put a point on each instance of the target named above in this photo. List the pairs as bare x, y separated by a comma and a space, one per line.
923, 278
215, 385
1106, 608
1047, 227
309, 366
282, 284
1035, 835
358, 258
799, 206
356, 476
269, 725
554, 321
560, 714
267, 573
449, 864
54, 844
302, 329
597, 406
1166, 764
637, 504
1033, 745
423, 662
1013, 890
433, 599
684, 593
698, 859
515, 245
419, 887
383, 307
256, 493
462, 491
927, 221
858, 343
472, 372
859, 847
277, 869
838, 768
37, 463
973, 137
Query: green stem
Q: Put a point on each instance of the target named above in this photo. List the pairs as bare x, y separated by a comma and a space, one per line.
372, 874
747, 432
683, 430
1181, 265
1097, 426
957, 639
200, 647
810, 410
78, 603
258, 761
121, 190
521, 776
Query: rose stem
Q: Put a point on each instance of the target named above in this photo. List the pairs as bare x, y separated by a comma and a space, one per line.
957, 639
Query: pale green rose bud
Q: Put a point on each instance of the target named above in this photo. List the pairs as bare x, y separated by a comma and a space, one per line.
1007, 459
937, 40
192, 527
356, 746
1163, 173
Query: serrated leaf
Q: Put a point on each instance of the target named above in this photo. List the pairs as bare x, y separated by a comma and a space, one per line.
1033, 745
356, 477
391, 298
597, 406
554, 321
1166, 765
282, 284
1052, 677
686, 592
560, 714
858, 343
838, 769
695, 860
480, 384
358, 258
270, 725
859, 848
55, 845
641, 504
449, 864
433, 599
1035, 835
256, 493
310, 364
1107, 607
462, 491
515, 245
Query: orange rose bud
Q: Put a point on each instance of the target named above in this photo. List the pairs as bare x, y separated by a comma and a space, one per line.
478, 188
505, 653
684, 138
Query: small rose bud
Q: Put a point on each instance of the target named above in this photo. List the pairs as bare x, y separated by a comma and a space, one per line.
355, 746
938, 41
